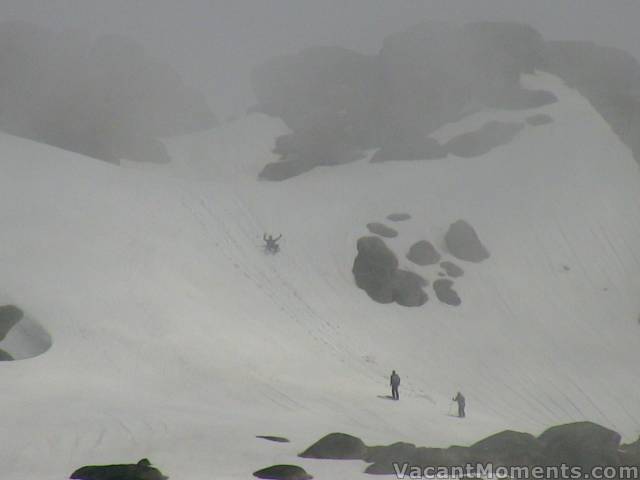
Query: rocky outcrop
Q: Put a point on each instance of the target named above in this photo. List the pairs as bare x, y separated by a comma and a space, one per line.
463, 243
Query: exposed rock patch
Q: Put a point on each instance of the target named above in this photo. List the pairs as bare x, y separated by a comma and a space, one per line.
382, 230
375, 270
445, 292
399, 217
539, 119
423, 253
407, 288
491, 135
283, 472
137, 471
452, 270
510, 448
463, 243
339, 446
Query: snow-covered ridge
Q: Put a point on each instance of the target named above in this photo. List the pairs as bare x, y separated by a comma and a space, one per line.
177, 339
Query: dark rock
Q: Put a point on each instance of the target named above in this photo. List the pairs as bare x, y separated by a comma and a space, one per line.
9, 316
374, 269
407, 150
283, 472
407, 289
337, 446
491, 135
5, 356
583, 444
382, 230
278, 171
423, 253
510, 448
539, 119
463, 243
383, 457
140, 471
630, 453
273, 438
453, 270
445, 292
399, 217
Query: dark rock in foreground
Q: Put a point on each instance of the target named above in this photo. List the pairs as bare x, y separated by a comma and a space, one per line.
337, 446
138, 471
273, 438
582, 444
510, 448
445, 292
376, 271
423, 253
382, 230
539, 119
399, 217
464, 244
491, 135
283, 472
9, 317
453, 270
5, 356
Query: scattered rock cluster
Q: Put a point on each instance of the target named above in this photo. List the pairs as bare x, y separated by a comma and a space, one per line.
376, 267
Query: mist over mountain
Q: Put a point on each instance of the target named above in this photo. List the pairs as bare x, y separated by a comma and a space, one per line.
105, 98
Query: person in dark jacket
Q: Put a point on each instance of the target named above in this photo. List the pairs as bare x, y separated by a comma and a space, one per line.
395, 383
461, 403
271, 244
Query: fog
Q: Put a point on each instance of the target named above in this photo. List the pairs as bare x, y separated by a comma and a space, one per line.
214, 44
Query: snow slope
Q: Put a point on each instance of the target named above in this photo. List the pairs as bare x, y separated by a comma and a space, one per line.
175, 338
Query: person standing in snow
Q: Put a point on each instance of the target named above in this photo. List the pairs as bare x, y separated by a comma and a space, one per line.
461, 403
395, 383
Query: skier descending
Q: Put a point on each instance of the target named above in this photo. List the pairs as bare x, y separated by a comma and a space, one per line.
461, 403
395, 383
271, 244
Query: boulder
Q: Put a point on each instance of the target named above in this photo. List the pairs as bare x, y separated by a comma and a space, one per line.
453, 270
583, 444
399, 217
463, 243
407, 289
445, 292
539, 119
423, 253
374, 268
10, 315
283, 472
337, 446
138, 471
382, 230
510, 448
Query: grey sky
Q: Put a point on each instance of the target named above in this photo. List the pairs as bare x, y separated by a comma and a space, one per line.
215, 43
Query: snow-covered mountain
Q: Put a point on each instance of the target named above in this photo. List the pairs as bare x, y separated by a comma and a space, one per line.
174, 337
